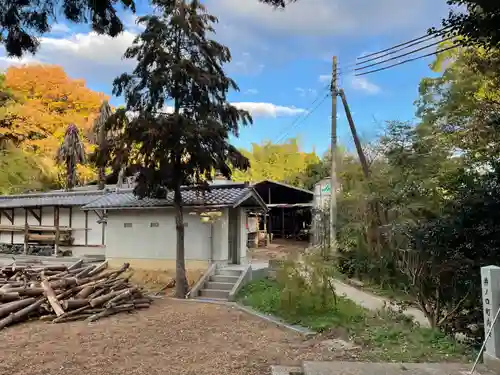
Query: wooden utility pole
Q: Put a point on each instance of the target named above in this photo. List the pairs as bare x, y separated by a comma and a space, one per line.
359, 149
333, 146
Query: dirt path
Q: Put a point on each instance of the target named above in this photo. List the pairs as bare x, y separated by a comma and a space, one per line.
172, 337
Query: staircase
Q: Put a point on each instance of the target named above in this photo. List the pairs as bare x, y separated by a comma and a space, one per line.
219, 285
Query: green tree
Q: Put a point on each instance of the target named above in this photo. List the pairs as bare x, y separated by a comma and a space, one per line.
283, 162
19, 171
478, 24
71, 153
178, 63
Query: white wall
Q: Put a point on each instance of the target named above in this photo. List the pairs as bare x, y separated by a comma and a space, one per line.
142, 241
221, 239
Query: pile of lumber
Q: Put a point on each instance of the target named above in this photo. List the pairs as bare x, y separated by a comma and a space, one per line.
60, 293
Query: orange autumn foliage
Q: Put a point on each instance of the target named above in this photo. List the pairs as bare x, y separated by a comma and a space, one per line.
45, 102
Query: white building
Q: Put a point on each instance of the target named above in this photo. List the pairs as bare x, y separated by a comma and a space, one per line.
123, 228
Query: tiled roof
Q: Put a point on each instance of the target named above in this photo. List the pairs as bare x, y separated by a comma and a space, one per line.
215, 195
60, 198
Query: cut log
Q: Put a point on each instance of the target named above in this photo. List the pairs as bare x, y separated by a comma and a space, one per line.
99, 268
29, 292
11, 307
84, 272
51, 297
76, 265
71, 304
123, 295
98, 301
9, 296
72, 318
85, 292
21, 314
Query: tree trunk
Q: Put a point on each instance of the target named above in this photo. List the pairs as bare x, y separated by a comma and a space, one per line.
181, 284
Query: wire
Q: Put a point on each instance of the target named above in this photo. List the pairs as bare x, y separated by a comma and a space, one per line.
437, 32
299, 120
399, 56
402, 49
408, 60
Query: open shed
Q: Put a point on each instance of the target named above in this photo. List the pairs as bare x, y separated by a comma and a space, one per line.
289, 214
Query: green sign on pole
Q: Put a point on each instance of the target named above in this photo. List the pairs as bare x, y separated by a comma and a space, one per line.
326, 189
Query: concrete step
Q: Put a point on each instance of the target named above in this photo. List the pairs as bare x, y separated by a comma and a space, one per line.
218, 285
286, 370
214, 293
227, 272
224, 279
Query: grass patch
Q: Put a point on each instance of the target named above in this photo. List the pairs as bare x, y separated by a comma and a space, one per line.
384, 336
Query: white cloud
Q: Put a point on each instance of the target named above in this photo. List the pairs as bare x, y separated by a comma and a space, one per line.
327, 17
255, 109
268, 109
89, 55
306, 92
363, 84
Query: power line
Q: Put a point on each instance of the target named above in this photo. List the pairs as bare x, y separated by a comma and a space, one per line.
399, 56
409, 60
299, 120
432, 35
403, 48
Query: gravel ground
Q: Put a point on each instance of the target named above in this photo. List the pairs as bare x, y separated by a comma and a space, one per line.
172, 337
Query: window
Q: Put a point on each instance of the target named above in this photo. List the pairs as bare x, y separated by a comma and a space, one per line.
154, 225
127, 225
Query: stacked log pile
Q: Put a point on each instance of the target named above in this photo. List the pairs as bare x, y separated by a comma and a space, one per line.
61, 294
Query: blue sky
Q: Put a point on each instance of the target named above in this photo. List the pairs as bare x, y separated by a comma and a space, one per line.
280, 60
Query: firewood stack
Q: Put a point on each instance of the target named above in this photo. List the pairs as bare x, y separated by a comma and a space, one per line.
62, 294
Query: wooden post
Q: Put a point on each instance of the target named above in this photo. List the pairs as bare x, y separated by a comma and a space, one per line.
283, 222
25, 250
12, 233
70, 217
86, 228
270, 233
56, 224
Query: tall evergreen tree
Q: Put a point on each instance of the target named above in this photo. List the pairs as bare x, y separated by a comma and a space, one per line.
100, 133
178, 63
71, 153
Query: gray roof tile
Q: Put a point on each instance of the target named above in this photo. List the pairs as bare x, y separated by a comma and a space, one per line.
213, 196
49, 199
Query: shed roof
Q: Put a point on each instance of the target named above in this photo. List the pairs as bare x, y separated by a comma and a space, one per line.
231, 195
274, 192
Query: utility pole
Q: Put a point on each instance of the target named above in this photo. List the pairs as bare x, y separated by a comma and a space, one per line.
361, 154
333, 146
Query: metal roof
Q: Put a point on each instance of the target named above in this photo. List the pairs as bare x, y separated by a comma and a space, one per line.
213, 196
53, 198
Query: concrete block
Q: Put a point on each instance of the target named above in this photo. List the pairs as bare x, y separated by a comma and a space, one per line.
227, 272
224, 279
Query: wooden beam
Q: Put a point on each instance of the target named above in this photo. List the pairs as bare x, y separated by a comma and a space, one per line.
99, 215
56, 224
103, 228
9, 217
86, 228
12, 233
70, 216
37, 216
26, 232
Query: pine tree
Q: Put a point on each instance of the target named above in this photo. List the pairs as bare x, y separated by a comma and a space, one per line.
71, 153
178, 63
